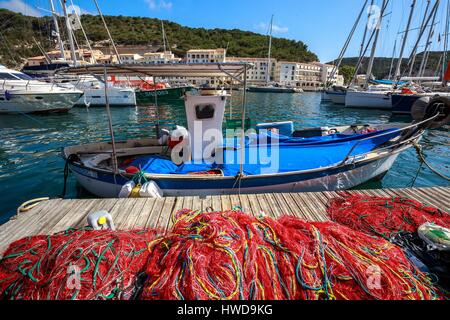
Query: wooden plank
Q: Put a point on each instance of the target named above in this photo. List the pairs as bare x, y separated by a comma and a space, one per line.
245, 204
226, 202
29, 221
306, 213
292, 204
254, 204
276, 210
166, 213
235, 202
152, 222
216, 203
146, 212
265, 206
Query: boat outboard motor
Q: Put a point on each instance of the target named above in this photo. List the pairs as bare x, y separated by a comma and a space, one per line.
427, 107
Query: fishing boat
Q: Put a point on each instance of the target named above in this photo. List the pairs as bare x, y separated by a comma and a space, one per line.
273, 158
21, 94
166, 93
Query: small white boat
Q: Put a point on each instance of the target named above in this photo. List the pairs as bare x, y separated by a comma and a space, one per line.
94, 92
21, 94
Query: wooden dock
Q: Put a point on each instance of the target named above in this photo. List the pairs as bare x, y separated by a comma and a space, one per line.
58, 215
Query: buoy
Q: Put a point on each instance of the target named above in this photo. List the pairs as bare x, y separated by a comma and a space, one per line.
100, 220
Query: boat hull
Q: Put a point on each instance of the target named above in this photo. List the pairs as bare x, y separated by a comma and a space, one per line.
402, 104
325, 97
116, 97
148, 96
272, 90
368, 100
107, 185
38, 102
337, 97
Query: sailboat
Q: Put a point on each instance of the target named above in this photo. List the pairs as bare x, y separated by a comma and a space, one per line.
272, 87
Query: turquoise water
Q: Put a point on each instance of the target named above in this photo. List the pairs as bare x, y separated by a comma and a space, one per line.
30, 146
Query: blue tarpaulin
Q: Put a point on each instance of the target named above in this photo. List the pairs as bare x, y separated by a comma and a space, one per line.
288, 155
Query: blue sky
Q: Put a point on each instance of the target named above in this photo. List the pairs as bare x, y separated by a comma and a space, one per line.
322, 24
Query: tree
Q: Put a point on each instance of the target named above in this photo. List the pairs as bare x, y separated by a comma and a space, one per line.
348, 72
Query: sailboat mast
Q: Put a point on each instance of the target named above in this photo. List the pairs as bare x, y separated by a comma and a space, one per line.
58, 34
69, 33
422, 27
107, 30
374, 46
405, 38
423, 64
365, 30
444, 55
270, 51
347, 42
84, 33
164, 35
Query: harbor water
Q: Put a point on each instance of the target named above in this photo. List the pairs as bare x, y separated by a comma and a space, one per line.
31, 165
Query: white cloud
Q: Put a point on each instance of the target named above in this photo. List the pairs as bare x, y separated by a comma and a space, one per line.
161, 4
275, 28
20, 6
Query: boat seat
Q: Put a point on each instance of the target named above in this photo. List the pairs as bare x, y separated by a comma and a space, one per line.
307, 133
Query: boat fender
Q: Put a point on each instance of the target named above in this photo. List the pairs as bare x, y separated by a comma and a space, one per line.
135, 191
101, 220
8, 95
126, 190
132, 170
150, 190
421, 111
163, 140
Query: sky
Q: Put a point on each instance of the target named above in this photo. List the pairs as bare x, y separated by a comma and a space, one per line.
323, 25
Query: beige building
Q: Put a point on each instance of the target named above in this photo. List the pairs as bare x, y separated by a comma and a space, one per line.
82, 55
128, 58
258, 74
160, 58
308, 76
206, 55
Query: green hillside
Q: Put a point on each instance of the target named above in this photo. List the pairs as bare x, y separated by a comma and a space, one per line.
17, 32
382, 65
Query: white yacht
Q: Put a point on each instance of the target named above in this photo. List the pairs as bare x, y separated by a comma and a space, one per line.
94, 92
19, 93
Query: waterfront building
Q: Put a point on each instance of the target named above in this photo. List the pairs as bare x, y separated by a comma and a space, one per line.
160, 57
218, 55
129, 58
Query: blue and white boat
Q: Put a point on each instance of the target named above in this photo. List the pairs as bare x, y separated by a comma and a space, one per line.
273, 158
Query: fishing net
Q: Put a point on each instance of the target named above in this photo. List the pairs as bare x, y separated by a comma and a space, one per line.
80, 264
230, 255
384, 217
222, 255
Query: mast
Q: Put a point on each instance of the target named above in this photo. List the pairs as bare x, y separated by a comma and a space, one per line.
270, 51
393, 58
422, 28
84, 33
374, 46
405, 38
164, 35
107, 30
427, 44
444, 55
347, 42
58, 34
365, 30
69, 33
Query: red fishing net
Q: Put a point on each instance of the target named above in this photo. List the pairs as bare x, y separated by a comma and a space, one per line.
222, 255
384, 217
74, 265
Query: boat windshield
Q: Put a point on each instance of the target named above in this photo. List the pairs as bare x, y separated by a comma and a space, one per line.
22, 76
7, 76
14, 76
